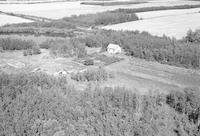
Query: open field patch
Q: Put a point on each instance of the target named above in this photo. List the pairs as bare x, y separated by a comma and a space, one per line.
5, 19
172, 26
164, 13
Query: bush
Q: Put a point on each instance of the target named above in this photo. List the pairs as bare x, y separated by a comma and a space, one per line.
88, 62
36, 50
193, 36
46, 44
1, 50
30, 52
91, 75
67, 48
82, 52
25, 53
16, 44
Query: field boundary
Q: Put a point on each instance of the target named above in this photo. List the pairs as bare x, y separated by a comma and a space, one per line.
29, 17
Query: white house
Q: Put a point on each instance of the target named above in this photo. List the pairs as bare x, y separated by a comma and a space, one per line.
114, 48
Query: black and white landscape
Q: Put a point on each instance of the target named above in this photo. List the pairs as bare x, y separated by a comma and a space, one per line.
100, 68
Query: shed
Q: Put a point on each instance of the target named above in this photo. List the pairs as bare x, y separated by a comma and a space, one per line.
114, 48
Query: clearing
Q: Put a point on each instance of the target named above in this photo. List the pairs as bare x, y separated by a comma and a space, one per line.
131, 73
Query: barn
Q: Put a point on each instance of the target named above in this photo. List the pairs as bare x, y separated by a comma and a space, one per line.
114, 48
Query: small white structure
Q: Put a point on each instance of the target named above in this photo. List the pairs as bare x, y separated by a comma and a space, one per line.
114, 48
60, 73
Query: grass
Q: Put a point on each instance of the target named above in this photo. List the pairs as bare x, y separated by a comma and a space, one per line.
107, 60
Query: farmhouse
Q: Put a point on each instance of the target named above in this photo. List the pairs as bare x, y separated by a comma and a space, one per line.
114, 48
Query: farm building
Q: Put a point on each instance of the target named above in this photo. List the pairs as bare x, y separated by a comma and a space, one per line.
114, 48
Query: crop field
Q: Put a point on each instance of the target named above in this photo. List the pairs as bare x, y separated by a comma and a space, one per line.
5, 19
172, 26
164, 13
66, 9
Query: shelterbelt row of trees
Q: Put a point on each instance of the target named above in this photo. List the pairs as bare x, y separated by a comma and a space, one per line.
88, 20
36, 104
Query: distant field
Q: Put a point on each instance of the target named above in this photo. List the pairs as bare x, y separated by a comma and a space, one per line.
173, 26
65, 9
29, 1
5, 19
162, 13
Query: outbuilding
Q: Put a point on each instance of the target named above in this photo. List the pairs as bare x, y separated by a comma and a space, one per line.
114, 48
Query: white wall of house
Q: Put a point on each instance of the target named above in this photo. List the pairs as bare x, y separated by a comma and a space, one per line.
114, 48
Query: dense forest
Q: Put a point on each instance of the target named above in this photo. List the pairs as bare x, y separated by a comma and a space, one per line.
40, 104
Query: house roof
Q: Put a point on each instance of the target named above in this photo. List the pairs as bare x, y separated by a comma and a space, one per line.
113, 46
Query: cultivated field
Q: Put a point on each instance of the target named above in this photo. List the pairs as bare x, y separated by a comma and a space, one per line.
164, 13
5, 19
64, 9
170, 25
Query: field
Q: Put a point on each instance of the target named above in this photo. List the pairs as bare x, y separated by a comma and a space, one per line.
5, 19
163, 23
164, 13
66, 9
